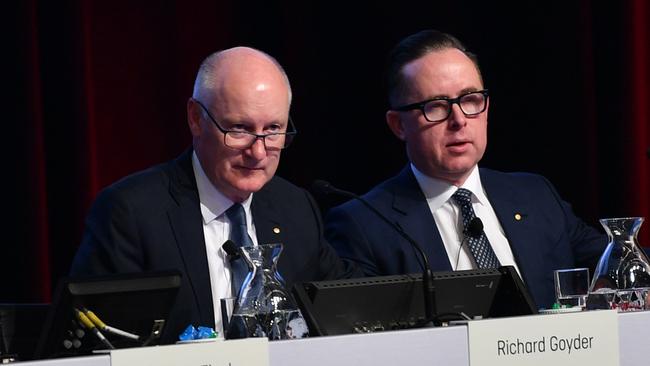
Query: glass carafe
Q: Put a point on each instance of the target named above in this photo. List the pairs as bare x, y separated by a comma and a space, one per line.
264, 307
622, 277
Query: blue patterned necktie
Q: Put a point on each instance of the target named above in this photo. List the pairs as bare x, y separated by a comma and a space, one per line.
239, 235
480, 247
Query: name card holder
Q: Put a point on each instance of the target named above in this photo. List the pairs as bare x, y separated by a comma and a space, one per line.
585, 338
243, 352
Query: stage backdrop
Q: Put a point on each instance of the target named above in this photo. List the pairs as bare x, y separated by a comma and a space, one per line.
97, 90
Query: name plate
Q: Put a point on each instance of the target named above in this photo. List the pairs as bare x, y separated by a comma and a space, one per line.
242, 352
585, 338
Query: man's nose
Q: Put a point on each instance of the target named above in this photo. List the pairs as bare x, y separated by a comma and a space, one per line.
457, 118
258, 149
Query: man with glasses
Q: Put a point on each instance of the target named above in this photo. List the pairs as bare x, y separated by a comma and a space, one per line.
177, 215
463, 217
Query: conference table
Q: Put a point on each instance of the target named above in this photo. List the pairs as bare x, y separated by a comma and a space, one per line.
426, 346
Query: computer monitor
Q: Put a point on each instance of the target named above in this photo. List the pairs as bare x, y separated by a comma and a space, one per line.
136, 304
396, 302
20, 328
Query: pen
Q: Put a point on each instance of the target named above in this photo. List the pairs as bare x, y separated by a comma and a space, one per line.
101, 325
90, 326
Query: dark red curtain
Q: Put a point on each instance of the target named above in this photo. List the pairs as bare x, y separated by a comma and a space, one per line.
638, 77
97, 90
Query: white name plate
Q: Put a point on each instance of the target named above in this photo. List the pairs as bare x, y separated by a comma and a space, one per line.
244, 352
585, 338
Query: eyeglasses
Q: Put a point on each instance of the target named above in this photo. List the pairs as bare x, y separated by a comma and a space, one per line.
242, 140
439, 109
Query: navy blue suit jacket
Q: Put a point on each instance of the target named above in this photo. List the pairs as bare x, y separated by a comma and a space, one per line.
547, 237
152, 221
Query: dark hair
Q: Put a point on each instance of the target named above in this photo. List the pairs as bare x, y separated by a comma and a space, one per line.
413, 47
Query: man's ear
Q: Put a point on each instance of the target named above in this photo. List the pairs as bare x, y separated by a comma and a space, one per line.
194, 117
395, 124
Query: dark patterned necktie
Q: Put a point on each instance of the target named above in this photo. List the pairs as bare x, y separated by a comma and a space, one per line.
239, 235
479, 246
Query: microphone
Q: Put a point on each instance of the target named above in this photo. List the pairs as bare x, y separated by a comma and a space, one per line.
428, 288
230, 248
473, 230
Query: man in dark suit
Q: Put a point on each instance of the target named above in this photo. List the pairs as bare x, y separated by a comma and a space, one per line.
177, 215
439, 107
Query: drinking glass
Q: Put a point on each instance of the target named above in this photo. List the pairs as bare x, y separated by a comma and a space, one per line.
571, 286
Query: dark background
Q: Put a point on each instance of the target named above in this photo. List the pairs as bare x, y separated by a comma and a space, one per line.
97, 90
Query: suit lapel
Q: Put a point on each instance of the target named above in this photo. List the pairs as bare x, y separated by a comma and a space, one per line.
186, 222
267, 220
513, 217
269, 227
413, 215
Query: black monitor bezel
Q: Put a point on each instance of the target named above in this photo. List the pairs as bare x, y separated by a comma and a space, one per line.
135, 299
396, 302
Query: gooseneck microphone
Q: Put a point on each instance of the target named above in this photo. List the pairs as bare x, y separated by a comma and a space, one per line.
428, 288
473, 230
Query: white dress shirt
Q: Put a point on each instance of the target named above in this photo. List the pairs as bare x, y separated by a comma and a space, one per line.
449, 221
216, 230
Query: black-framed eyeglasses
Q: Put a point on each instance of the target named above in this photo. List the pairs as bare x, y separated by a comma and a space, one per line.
242, 140
439, 109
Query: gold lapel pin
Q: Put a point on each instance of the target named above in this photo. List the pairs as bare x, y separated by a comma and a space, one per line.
276, 230
518, 216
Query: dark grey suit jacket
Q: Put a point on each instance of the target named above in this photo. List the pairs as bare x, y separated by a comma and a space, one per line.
152, 221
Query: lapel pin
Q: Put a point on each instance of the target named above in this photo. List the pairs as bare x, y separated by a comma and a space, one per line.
518, 216
276, 230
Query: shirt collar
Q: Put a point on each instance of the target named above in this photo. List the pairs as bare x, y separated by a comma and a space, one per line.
438, 192
213, 202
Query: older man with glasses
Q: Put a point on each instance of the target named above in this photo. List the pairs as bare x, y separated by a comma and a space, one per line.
463, 217
177, 215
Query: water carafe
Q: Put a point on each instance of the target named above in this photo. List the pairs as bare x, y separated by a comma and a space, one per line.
264, 307
622, 277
